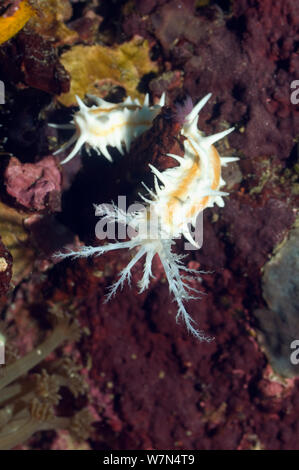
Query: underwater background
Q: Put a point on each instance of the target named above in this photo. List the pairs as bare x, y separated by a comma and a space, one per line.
79, 373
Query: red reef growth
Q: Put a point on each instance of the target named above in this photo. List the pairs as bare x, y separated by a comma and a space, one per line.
245, 59
34, 186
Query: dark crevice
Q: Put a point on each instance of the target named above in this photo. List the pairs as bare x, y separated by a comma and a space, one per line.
216, 112
283, 64
238, 92
225, 5
238, 26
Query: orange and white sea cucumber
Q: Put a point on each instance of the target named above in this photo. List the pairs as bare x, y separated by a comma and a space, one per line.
107, 124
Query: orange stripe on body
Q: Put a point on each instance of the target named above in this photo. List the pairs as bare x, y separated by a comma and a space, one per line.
216, 164
102, 110
187, 180
117, 106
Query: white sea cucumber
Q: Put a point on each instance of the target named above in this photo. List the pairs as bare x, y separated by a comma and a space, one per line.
107, 124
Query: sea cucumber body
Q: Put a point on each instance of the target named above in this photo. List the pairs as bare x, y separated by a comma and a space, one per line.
188, 188
180, 193
107, 124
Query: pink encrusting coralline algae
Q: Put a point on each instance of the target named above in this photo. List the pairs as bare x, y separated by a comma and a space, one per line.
179, 194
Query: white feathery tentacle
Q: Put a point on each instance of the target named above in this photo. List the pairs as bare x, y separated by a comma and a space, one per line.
125, 274
147, 272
